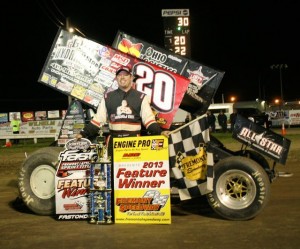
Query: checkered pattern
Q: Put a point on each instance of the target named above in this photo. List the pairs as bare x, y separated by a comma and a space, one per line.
184, 143
157, 197
157, 144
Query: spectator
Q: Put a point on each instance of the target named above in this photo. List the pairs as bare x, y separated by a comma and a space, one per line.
232, 119
267, 120
211, 119
222, 120
15, 124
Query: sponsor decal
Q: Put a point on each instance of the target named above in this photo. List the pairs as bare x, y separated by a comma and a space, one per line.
73, 217
154, 202
260, 139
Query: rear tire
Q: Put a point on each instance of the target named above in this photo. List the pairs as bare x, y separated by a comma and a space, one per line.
260, 159
241, 188
36, 181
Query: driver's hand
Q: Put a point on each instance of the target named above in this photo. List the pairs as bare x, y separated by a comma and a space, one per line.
165, 133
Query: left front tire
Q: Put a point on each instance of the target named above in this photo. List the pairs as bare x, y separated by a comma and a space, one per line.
37, 179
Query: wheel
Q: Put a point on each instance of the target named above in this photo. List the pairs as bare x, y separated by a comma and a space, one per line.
241, 188
36, 181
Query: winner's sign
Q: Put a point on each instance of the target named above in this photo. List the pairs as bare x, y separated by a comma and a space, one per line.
141, 180
71, 181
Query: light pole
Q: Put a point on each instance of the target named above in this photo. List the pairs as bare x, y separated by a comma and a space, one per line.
280, 67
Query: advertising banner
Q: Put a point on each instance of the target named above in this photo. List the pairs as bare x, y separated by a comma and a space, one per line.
262, 140
294, 117
44, 127
12, 114
72, 181
53, 114
27, 116
287, 117
279, 117
85, 70
3, 117
204, 81
141, 180
40, 115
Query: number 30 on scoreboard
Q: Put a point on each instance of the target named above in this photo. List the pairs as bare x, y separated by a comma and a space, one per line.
177, 31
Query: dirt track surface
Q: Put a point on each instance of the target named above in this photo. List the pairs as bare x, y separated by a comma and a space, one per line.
194, 224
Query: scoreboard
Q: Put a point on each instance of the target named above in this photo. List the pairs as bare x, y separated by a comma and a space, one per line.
177, 31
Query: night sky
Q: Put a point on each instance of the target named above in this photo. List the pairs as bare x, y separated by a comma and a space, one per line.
242, 38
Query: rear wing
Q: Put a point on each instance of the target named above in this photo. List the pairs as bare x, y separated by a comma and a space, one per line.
85, 70
204, 80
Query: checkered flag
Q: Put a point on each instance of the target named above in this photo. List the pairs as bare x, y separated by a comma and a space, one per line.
184, 142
